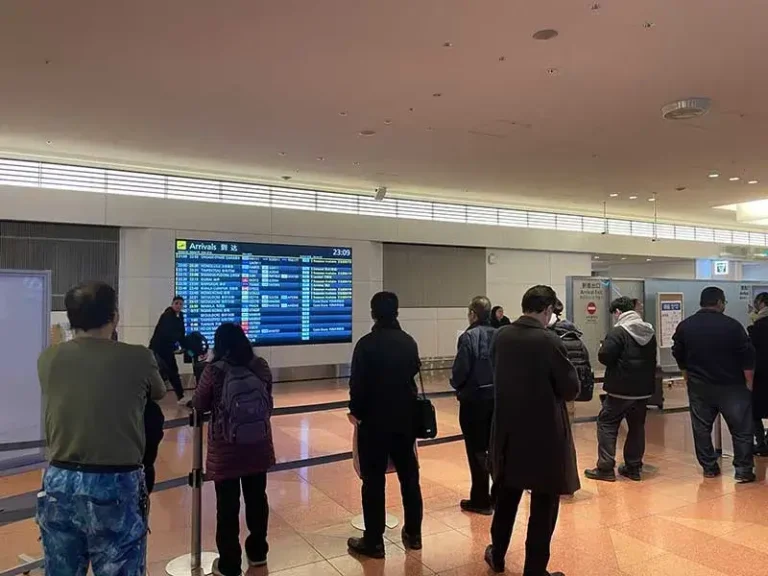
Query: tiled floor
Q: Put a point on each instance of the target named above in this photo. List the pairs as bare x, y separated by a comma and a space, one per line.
673, 523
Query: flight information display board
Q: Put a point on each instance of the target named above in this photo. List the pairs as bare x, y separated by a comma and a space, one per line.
279, 294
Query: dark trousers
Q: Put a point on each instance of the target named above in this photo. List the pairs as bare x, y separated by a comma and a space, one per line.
228, 521
171, 371
475, 417
541, 526
707, 401
613, 411
374, 450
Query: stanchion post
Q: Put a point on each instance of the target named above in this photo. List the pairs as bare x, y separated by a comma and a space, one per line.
197, 562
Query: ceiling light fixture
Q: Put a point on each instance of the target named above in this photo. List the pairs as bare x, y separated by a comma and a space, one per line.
623, 257
281, 153
651, 199
342, 113
320, 158
49, 142
647, 259
614, 195
553, 71
648, 24
356, 163
286, 178
437, 95
545, 34
502, 58
595, 6
367, 132
734, 178
714, 175
752, 182
596, 257
686, 109
447, 44
387, 121
633, 197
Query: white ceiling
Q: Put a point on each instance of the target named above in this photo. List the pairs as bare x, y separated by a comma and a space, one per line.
226, 87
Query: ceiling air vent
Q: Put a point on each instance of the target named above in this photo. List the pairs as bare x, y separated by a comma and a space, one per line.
686, 109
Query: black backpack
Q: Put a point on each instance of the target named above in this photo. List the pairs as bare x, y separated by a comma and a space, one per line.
579, 357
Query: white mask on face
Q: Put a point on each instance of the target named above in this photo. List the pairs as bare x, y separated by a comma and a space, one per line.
552, 320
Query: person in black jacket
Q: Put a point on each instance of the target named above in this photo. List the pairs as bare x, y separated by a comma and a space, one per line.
718, 361
577, 351
382, 404
531, 440
497, 317
169, 333
758, 333
472, 378
629, 355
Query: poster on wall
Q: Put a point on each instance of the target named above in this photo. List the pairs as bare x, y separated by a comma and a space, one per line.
670, 315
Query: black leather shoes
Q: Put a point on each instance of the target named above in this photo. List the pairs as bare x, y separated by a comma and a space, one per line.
360, 547
602, 475
496, 565
631, 473
411, 541
469, 506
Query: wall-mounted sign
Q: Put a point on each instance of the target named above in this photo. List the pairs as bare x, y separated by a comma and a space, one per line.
591, 308
670, 315
720, 267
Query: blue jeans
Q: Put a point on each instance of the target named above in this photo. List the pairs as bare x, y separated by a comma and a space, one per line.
93, 518
735, 404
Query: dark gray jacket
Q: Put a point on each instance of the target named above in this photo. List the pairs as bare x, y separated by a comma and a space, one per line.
472, 374
531, 440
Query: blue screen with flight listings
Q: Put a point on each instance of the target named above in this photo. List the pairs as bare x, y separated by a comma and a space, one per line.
279, 294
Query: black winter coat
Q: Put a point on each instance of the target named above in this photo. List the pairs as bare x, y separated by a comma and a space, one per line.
472, 373
758, 333
382, 385
169, 331
531, 441
630, 368
576, 350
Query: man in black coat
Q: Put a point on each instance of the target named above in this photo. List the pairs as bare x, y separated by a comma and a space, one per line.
718, 361
169, 333
472, 378
531, 441
382, 396
629, 356
758, 333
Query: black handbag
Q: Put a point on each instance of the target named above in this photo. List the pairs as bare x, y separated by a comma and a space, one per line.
587, 381
425, 417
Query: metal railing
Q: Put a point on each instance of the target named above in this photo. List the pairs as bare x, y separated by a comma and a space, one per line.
122, 182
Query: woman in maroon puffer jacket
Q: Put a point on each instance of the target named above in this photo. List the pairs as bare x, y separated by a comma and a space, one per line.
230, 465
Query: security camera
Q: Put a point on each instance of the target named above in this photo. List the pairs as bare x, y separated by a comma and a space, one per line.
381, 192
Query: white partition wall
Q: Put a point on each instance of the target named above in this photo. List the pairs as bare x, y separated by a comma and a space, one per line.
25, 308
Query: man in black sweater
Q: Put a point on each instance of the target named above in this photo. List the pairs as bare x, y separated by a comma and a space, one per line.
472, 378
629, 355
169, 333
718, 361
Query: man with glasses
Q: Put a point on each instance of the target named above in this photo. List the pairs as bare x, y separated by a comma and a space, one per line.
717, 361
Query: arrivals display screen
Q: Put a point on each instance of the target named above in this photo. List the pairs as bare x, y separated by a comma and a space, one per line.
279, 294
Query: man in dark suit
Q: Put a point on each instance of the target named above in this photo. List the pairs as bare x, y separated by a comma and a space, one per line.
531, 442
382, 397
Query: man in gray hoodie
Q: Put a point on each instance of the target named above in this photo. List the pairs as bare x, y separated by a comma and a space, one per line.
629, 355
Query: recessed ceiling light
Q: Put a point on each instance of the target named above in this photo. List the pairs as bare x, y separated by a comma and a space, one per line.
286, 178
614, 195
502, 58
714, 175
647, 259
633, 197
356, 163
651, 199
437, 94
553, 71
447, 44
648, 24
343, 113
623, 257
49, 142
367, 132
320, 158
595, 6
752, 182
387, 121
546, 34
597, 257
281, 153
734, 178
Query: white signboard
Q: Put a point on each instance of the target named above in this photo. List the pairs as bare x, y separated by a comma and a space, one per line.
670, 315
721, 267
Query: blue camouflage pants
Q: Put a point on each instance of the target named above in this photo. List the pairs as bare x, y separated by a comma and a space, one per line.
93, 518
